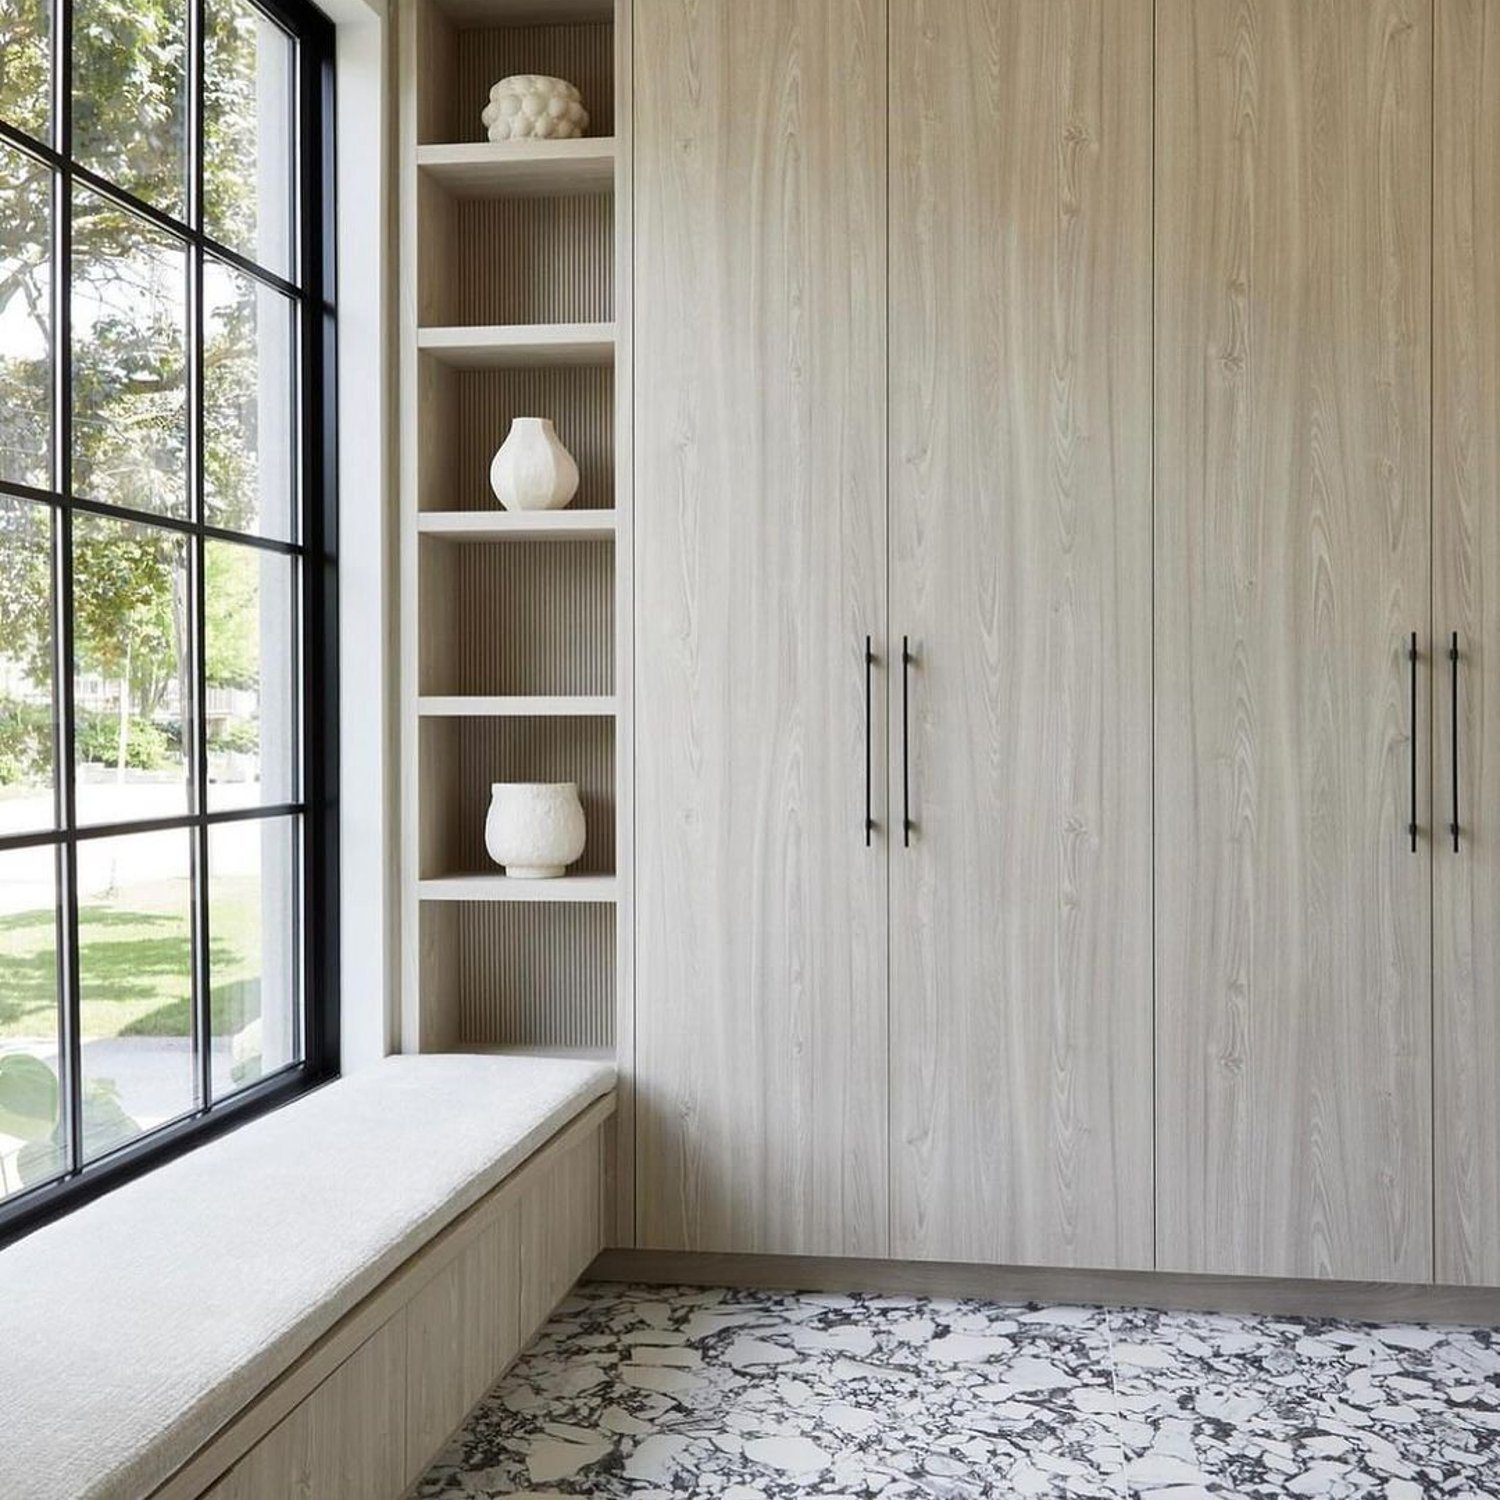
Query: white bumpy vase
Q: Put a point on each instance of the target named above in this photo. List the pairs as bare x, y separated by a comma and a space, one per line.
535, 829
531, 106
532, 470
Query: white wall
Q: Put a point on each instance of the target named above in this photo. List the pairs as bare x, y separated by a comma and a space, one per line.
367, 535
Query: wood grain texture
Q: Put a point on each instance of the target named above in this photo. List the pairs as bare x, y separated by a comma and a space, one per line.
346, 1441
463, 1330
1292, 563
561, 1230
1466, 500
760, 494
1021, 570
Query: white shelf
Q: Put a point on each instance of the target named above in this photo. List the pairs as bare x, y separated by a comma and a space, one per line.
574, 888
518, 525
527, 12
521, 346
476, 707
521, 169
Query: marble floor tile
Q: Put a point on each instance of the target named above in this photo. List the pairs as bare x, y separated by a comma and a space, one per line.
1227, 1404
658, 1393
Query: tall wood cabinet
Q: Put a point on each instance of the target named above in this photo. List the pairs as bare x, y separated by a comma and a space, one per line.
1020, 501
760, 460
1466, 602
1293, 568
1126, 372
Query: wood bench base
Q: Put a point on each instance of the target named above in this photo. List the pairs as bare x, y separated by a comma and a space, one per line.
364, 1411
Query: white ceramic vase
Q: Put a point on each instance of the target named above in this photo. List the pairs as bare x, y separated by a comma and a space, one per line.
534, 828
531, 106
532, 470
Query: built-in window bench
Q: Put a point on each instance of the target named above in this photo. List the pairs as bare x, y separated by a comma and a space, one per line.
311, 1304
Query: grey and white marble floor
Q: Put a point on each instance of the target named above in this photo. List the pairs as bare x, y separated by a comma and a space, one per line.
655, 1393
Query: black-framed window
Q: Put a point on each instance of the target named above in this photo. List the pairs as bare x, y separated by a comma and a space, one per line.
168, 882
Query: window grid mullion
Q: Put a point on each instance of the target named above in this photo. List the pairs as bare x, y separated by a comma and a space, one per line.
71, 1058
157, 217
202, 1017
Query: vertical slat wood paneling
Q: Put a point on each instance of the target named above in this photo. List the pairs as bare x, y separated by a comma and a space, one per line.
535, 974
1466, 473
518, 618
471, 754
561, 1230
463, 1329
1021, 1109
1293, 553
346, 1441
580, 403
483, 56
521, 260
760, 503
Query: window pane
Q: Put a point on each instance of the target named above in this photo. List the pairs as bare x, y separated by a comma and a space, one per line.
26, 66
129, 360
25, 319
28, 800
32, 1144
253, 921
249, 69
135, 975
130, 96
250, 672
248, 393
132, 685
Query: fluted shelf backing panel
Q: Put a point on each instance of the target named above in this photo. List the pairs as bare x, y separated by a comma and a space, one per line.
480, 406
482, 56
531, 619
460, 758
535, 975
524, 260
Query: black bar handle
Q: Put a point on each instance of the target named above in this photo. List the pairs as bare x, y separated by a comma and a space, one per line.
906, 661
1453, 827
1411, 827
869, 734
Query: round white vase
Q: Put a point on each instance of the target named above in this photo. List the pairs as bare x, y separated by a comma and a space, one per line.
531, 106
534, 828
532, 470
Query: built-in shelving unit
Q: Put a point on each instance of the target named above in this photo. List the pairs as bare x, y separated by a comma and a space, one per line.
515, 302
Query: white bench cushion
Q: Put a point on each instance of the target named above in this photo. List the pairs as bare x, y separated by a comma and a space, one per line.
133, 1329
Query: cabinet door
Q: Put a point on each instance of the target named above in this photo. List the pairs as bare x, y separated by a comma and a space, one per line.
1293, 552
760, 561
1466, 470
1020, 476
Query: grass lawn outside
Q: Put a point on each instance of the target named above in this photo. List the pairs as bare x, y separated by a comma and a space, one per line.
135, 964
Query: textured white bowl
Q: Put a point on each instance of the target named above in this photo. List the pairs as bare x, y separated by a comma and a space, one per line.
534, 828
531, 106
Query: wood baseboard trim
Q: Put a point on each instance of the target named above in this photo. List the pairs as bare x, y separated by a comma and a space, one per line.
1165, 1291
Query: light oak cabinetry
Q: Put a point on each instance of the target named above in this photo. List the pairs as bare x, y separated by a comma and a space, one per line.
760, 466
1135, 364
1293, 561
1466, 601
1020, 475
